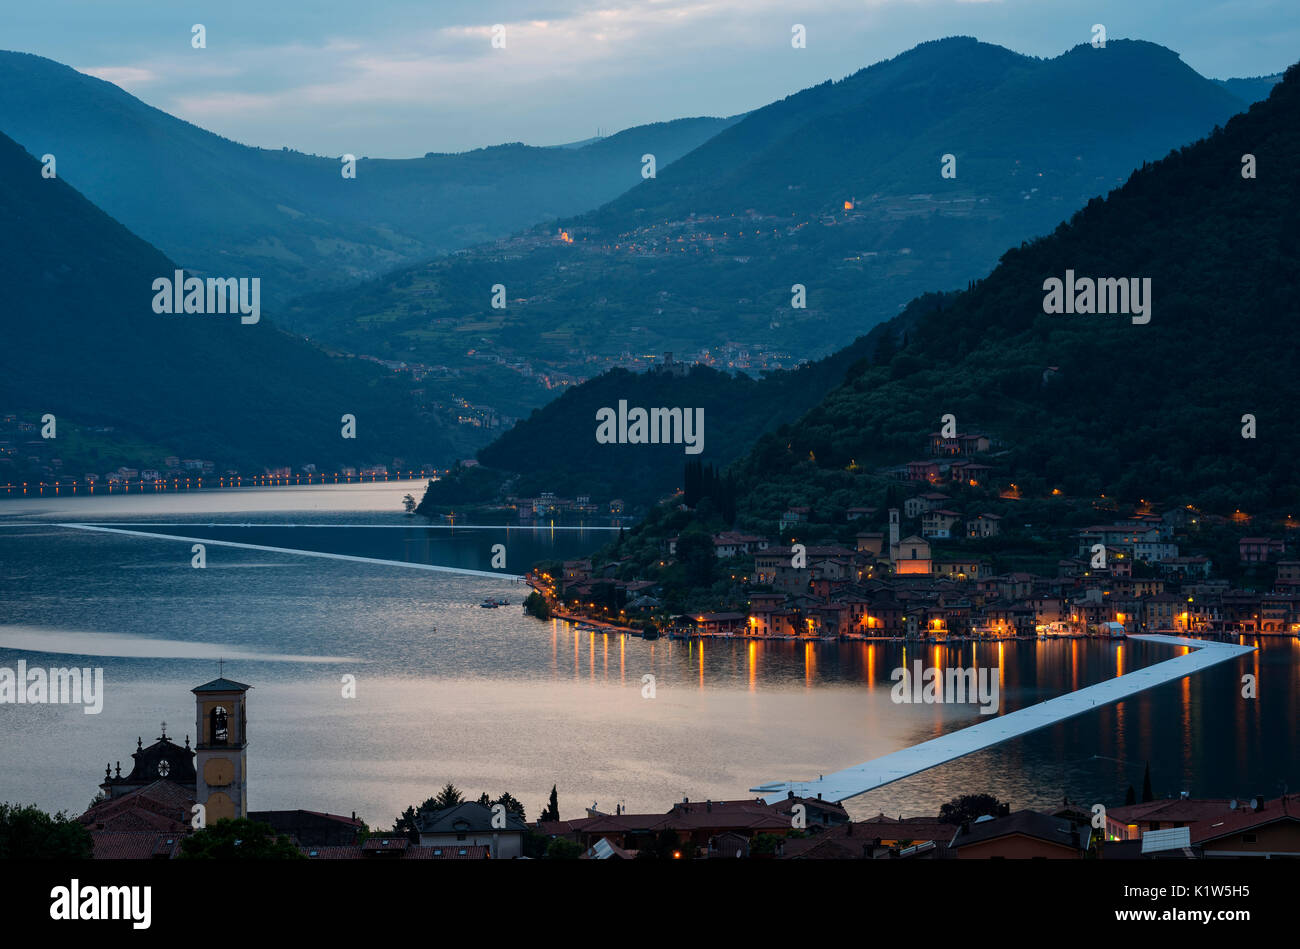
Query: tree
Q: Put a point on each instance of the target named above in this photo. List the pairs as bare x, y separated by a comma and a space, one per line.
238, 839
28, 833
968, 807
449, 796
561, 848
695, 554
535, 605
1131, 797
1147, 793
552, 810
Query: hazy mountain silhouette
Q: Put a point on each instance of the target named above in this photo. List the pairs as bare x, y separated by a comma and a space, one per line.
707, 252
81, 341
227, 209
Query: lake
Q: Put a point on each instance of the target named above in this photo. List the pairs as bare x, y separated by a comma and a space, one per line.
495, 701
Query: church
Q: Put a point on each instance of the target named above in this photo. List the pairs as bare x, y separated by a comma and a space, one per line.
173, 788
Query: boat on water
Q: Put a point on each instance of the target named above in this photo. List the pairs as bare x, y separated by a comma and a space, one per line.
489, 604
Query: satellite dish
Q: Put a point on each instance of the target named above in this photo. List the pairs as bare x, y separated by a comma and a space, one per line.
1232, 805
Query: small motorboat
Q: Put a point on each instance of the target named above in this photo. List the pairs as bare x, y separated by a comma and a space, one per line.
489, 604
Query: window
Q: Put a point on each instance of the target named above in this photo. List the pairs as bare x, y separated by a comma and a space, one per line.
218, 726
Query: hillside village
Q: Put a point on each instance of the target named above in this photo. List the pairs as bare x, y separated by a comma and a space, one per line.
933, 568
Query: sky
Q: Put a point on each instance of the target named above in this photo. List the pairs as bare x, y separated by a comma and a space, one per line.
399, 78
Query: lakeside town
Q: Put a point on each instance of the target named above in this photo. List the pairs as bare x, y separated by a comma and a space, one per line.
931, 573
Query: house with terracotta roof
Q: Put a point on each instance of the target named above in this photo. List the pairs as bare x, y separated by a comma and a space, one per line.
914, 507
938, 523
984, 525
1259, 549
697, 823
1259, 828
1131, 821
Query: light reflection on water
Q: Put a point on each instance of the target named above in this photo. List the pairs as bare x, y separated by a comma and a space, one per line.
493, 700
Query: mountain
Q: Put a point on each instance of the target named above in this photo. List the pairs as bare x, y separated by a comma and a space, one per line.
1251, 89
1093, 406
554, 449
221, 208
838, 189
81, 341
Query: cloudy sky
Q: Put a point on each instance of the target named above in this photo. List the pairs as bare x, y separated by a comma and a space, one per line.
397, 78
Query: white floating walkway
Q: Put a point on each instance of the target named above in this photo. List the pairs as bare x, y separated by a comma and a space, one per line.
496, 575
887, 769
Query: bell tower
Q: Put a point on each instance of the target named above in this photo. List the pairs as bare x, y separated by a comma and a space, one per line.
221, 754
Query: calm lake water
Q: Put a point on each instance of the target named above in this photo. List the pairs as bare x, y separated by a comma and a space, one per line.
494, 700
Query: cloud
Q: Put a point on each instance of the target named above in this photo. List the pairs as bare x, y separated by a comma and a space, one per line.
121, 75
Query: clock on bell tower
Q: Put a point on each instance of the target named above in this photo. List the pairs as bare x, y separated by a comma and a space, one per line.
221, 756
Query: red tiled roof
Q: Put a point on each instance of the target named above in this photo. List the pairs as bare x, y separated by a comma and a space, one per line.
1244, 818
413, 852
109, 845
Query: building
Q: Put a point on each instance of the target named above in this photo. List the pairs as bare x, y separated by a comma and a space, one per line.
983, 525
960, 444
1259, 549
145, 823
938, 523
311, 828
1131, 821
923, 471
222, 750
793, 516
1024, 835
164, 760
1259, 828
471, 824
914, 507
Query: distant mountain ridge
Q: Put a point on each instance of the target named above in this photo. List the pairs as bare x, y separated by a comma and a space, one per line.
82, 342
219, 207
837, 189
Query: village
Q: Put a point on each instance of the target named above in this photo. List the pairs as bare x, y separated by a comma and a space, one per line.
1127, 574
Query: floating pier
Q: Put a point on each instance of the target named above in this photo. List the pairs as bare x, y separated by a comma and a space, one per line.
842, 785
